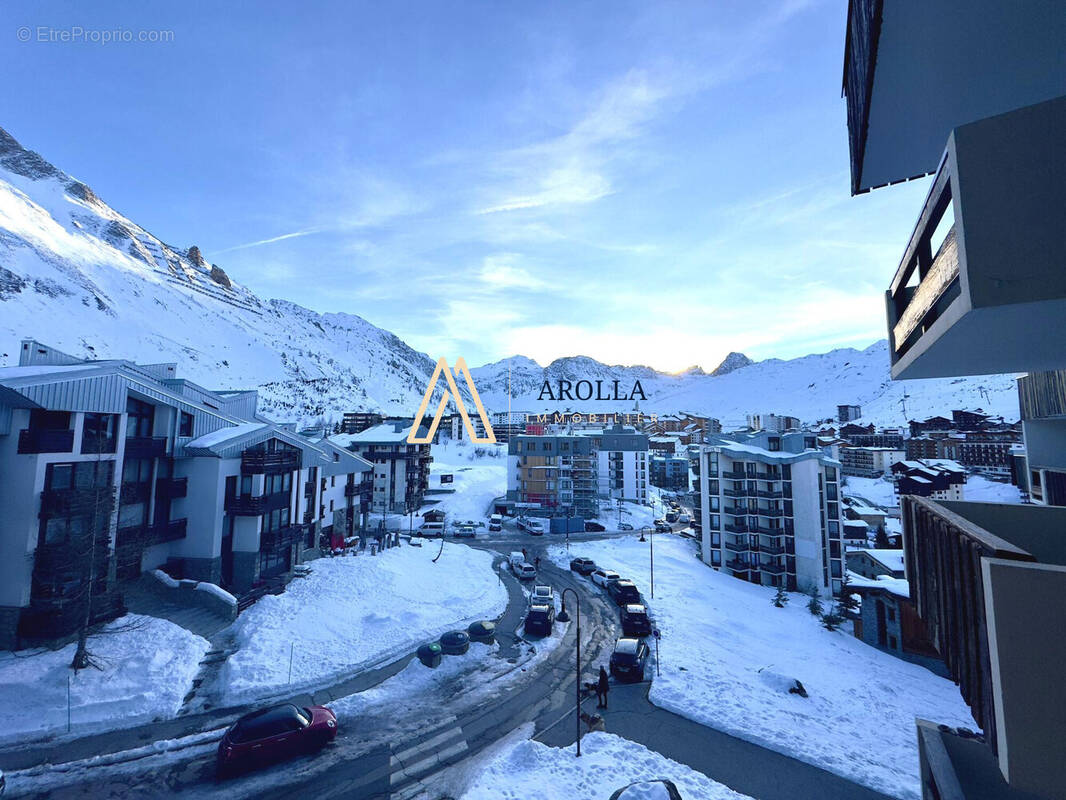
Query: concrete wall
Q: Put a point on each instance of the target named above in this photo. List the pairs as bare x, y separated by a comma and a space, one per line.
808, 521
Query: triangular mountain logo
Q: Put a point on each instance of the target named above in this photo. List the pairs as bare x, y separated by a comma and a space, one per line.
451, 391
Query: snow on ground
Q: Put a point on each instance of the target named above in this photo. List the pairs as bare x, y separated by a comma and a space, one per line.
146, 668
728, 657
479, 478
351, 611
608, 762
980, 489
879, 491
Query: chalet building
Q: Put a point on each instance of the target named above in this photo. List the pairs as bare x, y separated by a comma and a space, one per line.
888, 620
935, 478
770, 517
930, 425
848, 413
111, 469
852, 429
919, 448
869, 462
401, 470
873, 563
977, 102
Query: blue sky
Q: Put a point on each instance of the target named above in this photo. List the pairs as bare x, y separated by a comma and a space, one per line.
654, 183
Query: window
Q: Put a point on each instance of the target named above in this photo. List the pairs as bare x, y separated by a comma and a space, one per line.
137, 470
891, 616
98, 433
786, 472
774, 443
830, 473
185, 425
716, 558
139, 419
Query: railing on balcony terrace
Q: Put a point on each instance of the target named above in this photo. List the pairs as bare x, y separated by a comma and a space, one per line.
254, 462
736, 475
174, 488
738, 566
734, 528
131, 493
145, 447
245, 505
283, 537
42, 440
773, 569
736, 547
1042, 395
772, 549
736, 511
943, 554
166, 532
69, 502
352, 490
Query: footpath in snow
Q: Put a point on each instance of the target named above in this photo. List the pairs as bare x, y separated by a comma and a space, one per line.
529, 769
146, 667
350, 612
729, 657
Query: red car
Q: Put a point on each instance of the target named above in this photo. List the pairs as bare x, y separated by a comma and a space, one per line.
274, 733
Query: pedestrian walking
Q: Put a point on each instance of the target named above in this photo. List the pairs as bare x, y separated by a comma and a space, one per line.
536, 563
602, 687
525, 556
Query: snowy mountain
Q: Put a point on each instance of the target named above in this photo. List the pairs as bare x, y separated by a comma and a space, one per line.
80, 276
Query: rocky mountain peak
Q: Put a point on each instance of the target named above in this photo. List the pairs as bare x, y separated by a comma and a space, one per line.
731, 362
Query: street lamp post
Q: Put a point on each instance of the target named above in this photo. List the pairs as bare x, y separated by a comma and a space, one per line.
564, 616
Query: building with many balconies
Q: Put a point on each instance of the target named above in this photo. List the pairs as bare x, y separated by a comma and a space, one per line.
111, 468
401, 470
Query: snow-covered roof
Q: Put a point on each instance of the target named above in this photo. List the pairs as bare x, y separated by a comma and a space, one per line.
223, 435
891, 559
386, 432
896, 586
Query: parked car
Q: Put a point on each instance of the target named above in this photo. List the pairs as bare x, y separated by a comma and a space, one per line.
623, 592
658, 522
601, 577
531, 526
593, 527
628, 660
662, 527
671, 516
432, 529
624, 526
540, 619
635, 620
525, 572
542, 593
582, 566
273, 733
465, 532
496, 522
684, 519
515, 559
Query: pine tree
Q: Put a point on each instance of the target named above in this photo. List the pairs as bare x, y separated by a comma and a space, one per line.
781, 597
881, 538
814, 605
833, 620
847, 599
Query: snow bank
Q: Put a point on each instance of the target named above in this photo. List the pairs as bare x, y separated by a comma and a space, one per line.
477, 480
217, 591
147, 668
350, 612
728, 657
980, 489
608, 762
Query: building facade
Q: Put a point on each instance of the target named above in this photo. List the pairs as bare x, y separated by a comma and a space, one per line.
869, 462
400, 470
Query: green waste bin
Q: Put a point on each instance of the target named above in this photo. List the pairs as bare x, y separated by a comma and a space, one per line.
430, 654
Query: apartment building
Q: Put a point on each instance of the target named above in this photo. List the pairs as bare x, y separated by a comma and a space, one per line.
892, 438
358, 421
111, 468
669, 472
936, 478
622, 463
848, 413
869, 462
1042, 397
506, 424
776, 423
400, 470
771, 517
980, 289
553, 476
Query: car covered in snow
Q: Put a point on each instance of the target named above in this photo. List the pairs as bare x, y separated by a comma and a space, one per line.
274, 733
542, 593
540, 619
582, 566
635, 620
525, 572
629, 659
601, 577
623, 592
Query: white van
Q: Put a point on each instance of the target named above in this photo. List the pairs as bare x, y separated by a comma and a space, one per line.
432, 529
496, 522
516, 559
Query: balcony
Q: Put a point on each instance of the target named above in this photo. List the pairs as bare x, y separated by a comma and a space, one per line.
146, 447
984, 263
43, 440
255, 462
278, 539
736, 547
71, 502
988, 581
737, 493
166, 532
735, 528
351, 490
734, 475
769, 495
772, 549
771, 513
174, 488
738, 566
913, 71
309, 489
246, 505
132, 493
772, 569
736, 511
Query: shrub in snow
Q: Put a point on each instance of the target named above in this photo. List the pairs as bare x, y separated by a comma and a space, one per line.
848, 601
781, 597
833, 620
814, 605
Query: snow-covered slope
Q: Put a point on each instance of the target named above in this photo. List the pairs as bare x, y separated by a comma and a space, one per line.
78, 275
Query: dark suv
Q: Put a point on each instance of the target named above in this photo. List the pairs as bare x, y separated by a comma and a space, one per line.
635, 620
582, 566
628, 660
623, 592
540, 619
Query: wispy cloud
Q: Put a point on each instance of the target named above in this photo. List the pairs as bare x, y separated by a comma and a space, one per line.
271, 240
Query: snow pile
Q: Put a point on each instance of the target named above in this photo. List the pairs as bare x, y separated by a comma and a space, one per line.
980, 489
728, 656
608, 762
146, 668
879, 491
349, 612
